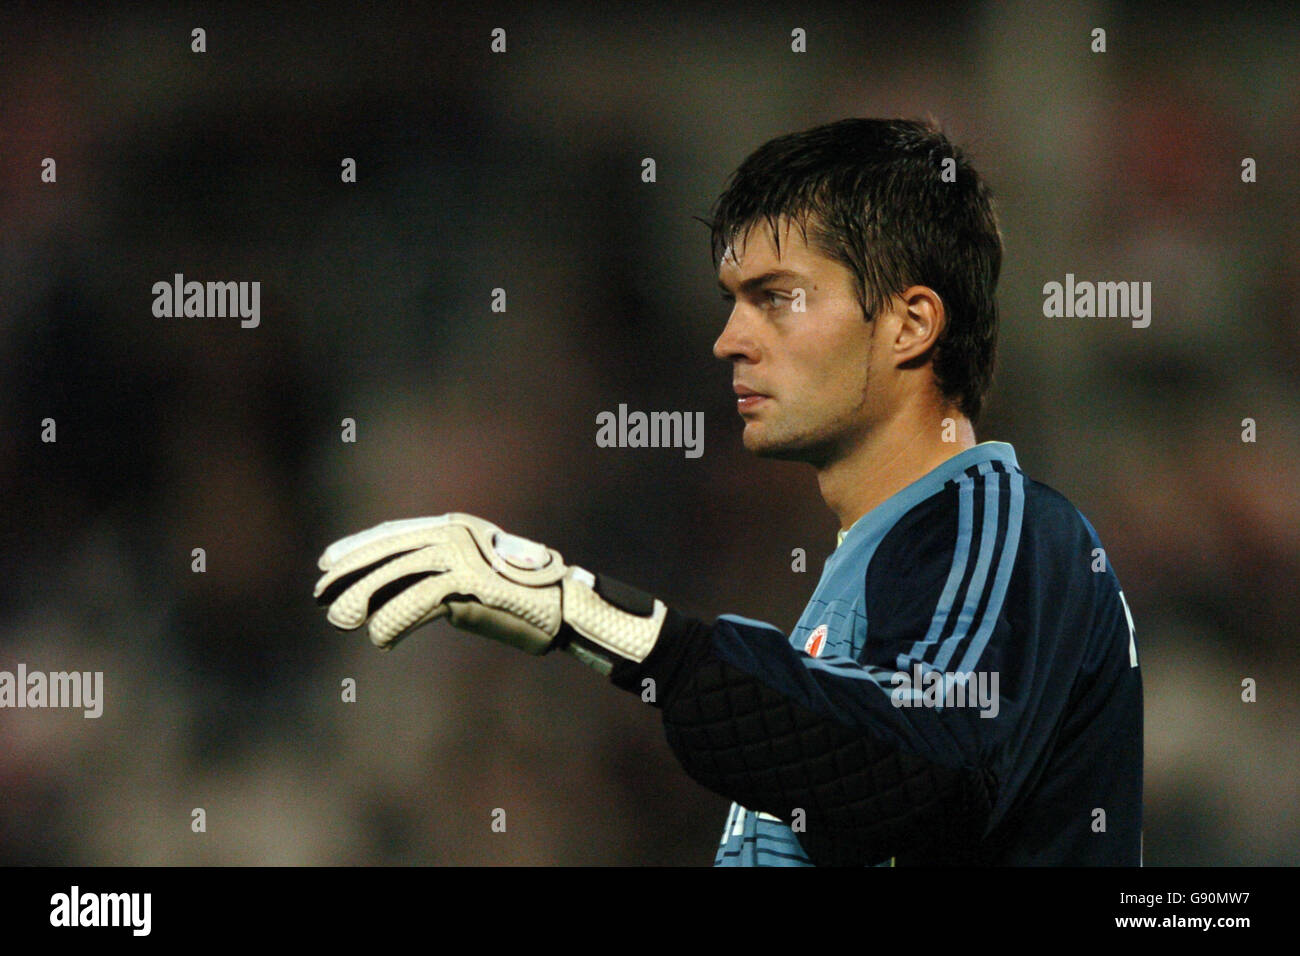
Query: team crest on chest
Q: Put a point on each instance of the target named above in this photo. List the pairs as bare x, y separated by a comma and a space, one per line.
816, 641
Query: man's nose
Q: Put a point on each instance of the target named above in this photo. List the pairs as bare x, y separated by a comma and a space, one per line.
736, 340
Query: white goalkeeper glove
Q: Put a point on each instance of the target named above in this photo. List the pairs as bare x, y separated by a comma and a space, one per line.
402, 574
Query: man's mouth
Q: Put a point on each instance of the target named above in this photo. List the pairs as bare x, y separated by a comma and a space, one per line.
747, 399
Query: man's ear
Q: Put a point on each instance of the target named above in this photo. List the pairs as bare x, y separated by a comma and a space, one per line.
922, 319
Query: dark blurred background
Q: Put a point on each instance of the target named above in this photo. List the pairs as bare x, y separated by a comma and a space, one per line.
522, 171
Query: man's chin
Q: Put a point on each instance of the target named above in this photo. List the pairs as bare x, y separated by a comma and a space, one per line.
764, 446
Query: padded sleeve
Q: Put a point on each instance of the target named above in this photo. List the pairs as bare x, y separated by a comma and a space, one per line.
860, 798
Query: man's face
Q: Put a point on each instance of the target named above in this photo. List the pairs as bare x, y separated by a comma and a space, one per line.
802, 378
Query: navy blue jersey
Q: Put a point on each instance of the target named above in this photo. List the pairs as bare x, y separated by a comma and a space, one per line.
962, 688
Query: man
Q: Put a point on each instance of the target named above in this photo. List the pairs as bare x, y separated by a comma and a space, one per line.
962, 687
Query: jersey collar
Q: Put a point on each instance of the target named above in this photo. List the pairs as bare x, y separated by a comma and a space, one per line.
903, 501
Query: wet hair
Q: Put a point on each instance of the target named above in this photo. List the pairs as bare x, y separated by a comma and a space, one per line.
871, 194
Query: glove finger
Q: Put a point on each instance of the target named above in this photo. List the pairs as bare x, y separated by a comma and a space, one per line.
365, 546
330, 586
371, 548
418, 604
379, 533
381, 585
385, 642
356, 565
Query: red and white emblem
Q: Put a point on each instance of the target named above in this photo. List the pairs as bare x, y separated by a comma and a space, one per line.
816, 641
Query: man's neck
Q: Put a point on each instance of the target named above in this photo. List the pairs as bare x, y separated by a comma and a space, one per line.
886, 462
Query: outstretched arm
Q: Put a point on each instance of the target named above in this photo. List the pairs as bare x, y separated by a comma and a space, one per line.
742, 713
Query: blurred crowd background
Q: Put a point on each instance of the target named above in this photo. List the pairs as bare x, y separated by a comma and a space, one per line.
522, 171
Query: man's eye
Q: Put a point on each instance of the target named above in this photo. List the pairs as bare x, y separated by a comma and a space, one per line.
771, 297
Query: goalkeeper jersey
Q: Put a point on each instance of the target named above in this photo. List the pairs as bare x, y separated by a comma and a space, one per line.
962, 688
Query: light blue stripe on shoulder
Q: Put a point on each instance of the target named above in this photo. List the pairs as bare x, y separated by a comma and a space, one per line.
1006, 563
956, 571
989, 548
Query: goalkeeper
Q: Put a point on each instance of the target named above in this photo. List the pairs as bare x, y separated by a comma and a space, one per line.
963, 686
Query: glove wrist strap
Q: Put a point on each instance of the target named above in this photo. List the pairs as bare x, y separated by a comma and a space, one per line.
611, 618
